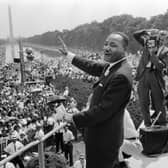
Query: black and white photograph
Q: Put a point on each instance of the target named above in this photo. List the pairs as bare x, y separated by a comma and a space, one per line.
83, 83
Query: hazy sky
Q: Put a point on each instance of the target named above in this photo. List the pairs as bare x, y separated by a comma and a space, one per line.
38, 16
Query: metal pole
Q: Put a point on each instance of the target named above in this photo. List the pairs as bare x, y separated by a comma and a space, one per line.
42, 56
41, 155
22, 69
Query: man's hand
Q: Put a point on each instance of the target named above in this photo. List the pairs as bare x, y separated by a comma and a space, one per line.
63, 50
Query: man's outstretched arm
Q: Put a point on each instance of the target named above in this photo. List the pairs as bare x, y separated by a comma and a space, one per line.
89, 66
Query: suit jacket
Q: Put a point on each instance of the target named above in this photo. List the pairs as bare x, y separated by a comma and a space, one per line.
158, 61
104, 119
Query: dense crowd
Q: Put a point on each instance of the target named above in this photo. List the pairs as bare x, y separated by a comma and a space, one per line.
30, 111
27, 112
28, 103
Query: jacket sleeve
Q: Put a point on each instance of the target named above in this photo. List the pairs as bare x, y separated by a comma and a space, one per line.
157, 62
164, 56
158, 59
91, 67
114, 98
138, 35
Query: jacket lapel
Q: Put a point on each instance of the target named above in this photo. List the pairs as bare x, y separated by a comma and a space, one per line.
101, 77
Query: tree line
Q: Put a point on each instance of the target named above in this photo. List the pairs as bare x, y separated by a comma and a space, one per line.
91, 36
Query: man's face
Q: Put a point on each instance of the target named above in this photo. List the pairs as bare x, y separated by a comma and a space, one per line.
113, 48
152, 50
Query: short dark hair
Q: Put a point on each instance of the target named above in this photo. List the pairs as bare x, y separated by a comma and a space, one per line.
125, 38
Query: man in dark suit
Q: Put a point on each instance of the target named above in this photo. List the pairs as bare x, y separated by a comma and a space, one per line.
150, 77
103, 121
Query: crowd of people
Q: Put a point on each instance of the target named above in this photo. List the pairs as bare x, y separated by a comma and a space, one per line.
25, 112
29, 112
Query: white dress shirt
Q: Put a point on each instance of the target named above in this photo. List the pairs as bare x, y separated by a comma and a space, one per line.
78, 164
68, 136
9, 165
13, 147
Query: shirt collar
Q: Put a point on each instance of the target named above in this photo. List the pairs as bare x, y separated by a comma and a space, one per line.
113, 64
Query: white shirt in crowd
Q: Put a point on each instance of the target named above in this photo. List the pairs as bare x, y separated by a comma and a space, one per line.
66, 92
50, 120
23, 121
31, 126
58, 124
9, 165
68, 136
78, 164
60, 112
13, 147
39, 134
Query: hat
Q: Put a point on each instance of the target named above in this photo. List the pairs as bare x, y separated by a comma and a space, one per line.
55, 99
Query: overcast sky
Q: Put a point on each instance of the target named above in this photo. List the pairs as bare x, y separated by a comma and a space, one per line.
32, 17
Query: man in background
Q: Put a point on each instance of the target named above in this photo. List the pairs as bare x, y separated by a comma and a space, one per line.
151, 85
68, 146
14, 146
81, 163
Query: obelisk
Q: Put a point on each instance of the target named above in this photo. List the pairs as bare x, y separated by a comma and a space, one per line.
11, 37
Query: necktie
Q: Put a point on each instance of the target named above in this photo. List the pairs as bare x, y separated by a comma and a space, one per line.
113, 64
107, 70
14, 146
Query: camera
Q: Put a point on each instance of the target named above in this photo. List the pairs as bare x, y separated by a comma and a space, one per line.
152, 42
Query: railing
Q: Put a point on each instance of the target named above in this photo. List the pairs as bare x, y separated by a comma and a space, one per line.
3, 144
40, 144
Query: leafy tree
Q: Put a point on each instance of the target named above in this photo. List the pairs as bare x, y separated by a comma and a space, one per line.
91, 36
